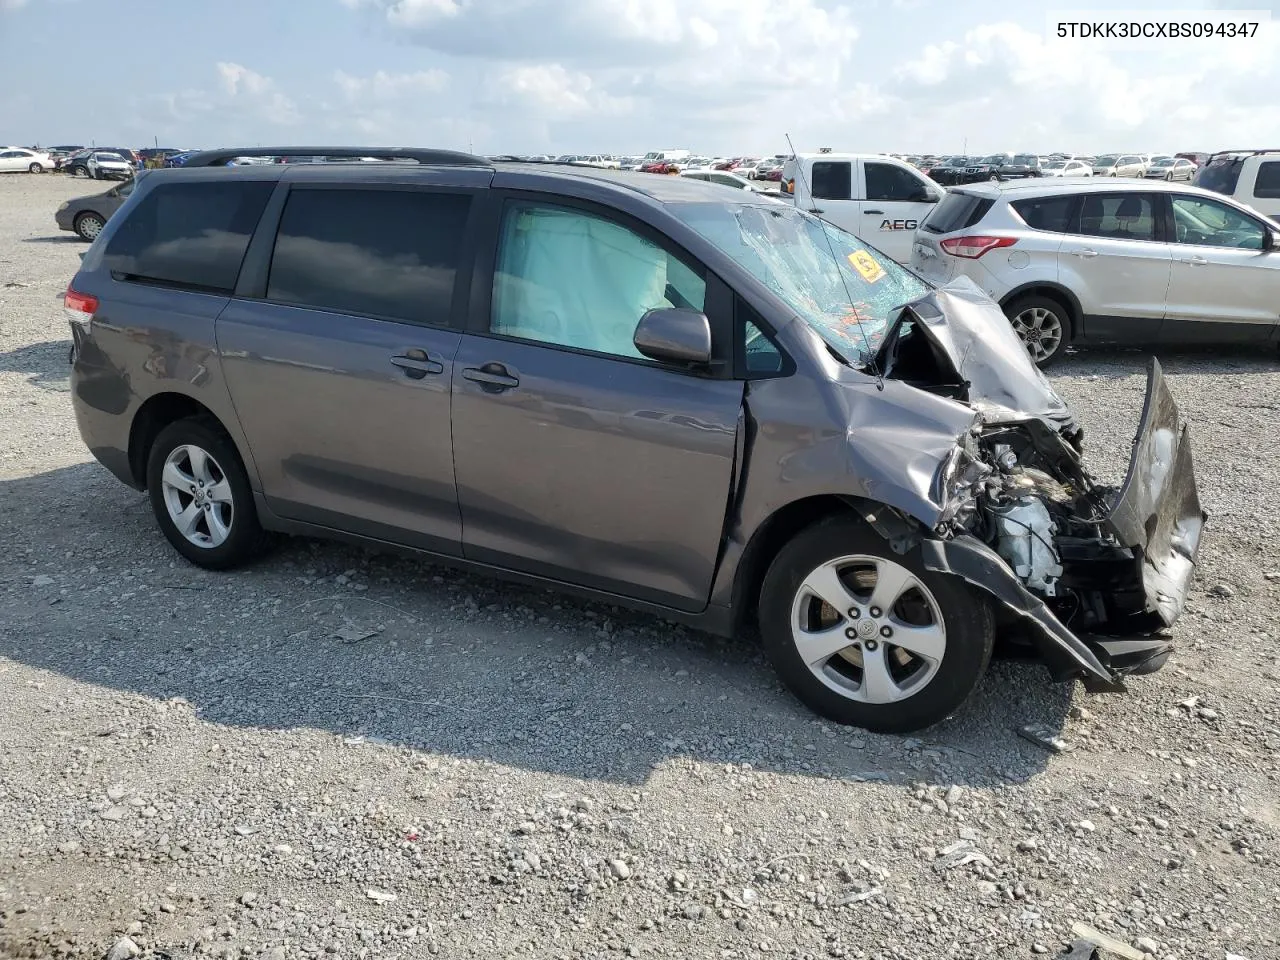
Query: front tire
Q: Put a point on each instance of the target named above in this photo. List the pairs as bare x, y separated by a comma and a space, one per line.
1043, 326
867, 637
201, 497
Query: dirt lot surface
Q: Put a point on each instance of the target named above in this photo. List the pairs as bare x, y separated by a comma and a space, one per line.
335, 753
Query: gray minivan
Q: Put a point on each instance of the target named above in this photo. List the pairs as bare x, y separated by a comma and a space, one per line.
646, 390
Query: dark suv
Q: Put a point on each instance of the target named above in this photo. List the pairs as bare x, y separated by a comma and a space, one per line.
649, 390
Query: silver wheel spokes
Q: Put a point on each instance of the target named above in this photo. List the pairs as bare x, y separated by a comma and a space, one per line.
91, 226
197, 496
1040, 330
868, 629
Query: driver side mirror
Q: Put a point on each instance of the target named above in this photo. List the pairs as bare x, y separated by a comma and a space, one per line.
930, 197
1270, 240
674, 335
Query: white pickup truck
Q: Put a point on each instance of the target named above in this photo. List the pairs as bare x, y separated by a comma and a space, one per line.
1251, 177
879, 199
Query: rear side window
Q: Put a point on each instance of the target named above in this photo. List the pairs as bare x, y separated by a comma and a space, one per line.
957, 211
1124, 216
375, 253
832, 180
188, 235
1045, 213
1267, 184
887, 182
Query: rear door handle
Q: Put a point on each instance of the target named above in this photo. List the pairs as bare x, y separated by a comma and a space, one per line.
1086, 252
491, 375
878, 213
815, 210
1196, 261
416, 364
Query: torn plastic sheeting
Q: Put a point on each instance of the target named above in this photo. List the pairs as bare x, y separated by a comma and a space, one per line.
973, 561
1158, 511
976, 337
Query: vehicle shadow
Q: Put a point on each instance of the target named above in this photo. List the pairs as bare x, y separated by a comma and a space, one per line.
43, 364
67, 239
1120, 362
406, 654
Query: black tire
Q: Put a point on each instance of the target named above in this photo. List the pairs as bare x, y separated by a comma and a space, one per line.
97, 174
83, 224
246, 538
1063, 316
966, 616
35, 168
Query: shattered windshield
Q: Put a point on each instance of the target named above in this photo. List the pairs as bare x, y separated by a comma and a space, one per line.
845, 290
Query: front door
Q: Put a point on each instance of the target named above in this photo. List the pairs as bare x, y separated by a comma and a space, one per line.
1225, 283
577, 458
895, 202
1116, 262
341, 374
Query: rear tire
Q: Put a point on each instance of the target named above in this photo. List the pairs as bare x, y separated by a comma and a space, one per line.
195, 479
823, 652
88, 226
35, 168
1043, 325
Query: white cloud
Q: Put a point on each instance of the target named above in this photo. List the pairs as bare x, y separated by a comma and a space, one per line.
383, 86
254, 93
554, 91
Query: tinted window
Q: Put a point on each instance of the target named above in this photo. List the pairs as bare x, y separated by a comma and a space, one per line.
1208, 223
1221, 175
377, 253
571, 278
190, 235
1045, 213
832, 180
956, 211
1126, 216
1268, 183
887, 182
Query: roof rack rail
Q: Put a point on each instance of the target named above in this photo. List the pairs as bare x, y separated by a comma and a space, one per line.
443, 158
1249, 152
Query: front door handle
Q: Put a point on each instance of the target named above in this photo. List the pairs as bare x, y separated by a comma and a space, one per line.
1196, 261
815, 210
416, 364
878, 213
1086, 252
493, 375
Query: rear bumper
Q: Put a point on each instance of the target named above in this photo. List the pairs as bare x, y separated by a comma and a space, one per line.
1156, 514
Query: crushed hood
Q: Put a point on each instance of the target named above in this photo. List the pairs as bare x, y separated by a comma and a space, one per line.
975, 352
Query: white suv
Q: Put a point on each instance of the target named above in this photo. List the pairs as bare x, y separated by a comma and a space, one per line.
1106, 261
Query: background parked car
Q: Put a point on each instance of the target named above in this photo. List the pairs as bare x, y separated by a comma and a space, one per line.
86, 216
106, 166
1096, 261
1119, 165
1171, 168
725, 178
21, 160
1020, 165
1066, 168
1251, 177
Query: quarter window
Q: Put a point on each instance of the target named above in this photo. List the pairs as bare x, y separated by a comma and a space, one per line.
375, 253
1045, 213
887, 182
189, 235
1126, 216
1211, 224
578, 280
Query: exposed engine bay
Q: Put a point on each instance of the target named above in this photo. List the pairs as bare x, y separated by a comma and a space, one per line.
1101, 571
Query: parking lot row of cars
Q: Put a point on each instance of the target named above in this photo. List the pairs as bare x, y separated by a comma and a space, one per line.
1009, 166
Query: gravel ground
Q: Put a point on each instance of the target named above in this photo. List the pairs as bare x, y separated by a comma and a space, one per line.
339, 753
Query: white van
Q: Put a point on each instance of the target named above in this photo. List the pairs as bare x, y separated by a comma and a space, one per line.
1251, 177
877, 198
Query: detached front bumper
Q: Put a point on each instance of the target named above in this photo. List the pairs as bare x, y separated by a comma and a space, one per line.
1156, 515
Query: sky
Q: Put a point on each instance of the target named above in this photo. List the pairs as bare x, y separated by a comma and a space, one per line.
720, 77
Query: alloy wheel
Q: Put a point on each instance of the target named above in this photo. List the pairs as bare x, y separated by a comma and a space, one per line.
868, 628
197, 496
1040, 330
89, 226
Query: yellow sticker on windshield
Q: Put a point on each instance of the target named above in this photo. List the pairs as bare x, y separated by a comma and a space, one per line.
867, 265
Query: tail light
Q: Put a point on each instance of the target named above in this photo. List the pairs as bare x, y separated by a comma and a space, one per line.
79, 307
971, 248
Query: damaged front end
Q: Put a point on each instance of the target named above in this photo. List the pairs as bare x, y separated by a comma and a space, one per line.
1097, 573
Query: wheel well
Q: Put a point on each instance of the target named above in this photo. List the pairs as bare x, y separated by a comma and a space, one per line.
153, 416
771, 537
1056, 294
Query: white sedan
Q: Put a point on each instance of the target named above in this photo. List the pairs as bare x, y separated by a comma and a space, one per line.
1066, 168
18, 159
103, 165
